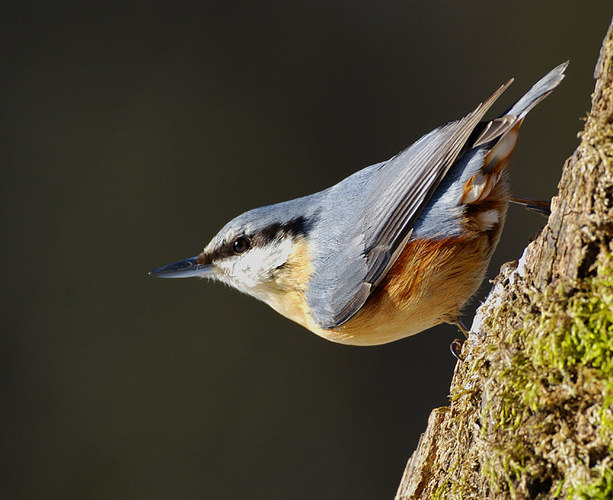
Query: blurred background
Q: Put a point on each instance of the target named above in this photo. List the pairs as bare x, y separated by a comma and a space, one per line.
133, 131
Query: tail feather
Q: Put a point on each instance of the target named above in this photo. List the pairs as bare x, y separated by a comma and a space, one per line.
498, 127
501, 135
538, 92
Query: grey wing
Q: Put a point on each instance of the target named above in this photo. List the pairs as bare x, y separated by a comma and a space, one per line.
404, 185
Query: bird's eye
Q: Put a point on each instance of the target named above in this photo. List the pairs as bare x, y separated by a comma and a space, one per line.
241, 244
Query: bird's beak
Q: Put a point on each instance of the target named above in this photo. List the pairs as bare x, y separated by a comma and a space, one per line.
186, 268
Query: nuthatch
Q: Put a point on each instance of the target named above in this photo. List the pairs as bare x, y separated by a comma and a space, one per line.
391, 250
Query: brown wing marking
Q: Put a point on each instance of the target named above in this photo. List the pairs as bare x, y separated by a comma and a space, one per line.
480, 185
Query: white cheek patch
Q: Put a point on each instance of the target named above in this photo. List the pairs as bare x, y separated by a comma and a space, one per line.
250, 271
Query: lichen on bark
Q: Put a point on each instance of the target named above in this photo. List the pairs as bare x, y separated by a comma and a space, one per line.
531, 403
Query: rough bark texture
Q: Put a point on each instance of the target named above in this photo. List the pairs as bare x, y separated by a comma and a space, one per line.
531, 403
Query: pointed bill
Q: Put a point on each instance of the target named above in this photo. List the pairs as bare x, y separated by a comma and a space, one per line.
186, 268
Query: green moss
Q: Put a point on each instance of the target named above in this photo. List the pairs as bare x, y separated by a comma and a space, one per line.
548, 391
600, 488
534, 411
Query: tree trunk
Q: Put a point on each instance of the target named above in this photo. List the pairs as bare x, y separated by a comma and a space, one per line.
531, 403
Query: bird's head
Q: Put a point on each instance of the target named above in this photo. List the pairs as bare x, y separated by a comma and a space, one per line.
261, 252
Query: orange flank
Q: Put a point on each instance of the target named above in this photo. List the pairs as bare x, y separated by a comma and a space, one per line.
428, 284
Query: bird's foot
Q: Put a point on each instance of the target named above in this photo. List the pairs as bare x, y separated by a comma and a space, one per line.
456, 348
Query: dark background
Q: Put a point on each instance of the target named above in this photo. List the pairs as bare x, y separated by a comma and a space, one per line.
133, 132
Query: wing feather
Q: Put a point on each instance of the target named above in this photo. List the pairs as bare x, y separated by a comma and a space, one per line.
383, 202
405, 185
390, 205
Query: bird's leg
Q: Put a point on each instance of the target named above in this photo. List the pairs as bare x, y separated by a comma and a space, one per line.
457, 321
456, 346
542, 207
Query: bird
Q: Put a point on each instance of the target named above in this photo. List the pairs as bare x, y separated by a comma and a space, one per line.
392, 250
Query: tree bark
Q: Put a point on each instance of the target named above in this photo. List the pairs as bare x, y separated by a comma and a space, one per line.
531, 403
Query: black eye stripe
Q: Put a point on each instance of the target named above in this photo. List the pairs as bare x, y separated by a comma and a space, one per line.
295, 228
